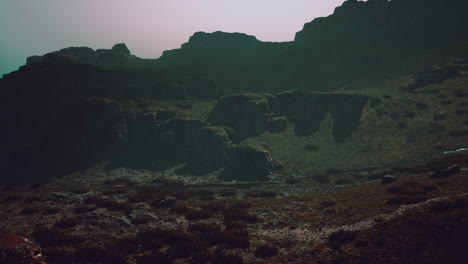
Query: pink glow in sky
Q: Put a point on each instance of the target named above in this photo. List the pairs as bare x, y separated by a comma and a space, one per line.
148, 27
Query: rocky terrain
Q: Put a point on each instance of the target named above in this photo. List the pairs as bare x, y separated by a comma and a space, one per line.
347, 145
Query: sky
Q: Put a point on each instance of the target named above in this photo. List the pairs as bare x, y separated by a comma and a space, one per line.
148, 27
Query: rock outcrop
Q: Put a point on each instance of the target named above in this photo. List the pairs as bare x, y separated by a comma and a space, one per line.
308, 110
248, 163
248, 114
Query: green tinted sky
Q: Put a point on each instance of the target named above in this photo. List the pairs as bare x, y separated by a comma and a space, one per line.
35, 27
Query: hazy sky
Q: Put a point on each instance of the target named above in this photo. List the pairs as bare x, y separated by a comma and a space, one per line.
148, 27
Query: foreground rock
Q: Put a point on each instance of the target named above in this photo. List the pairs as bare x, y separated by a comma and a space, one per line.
248, 163
18, 250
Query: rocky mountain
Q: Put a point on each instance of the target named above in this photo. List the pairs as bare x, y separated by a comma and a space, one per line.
359, 38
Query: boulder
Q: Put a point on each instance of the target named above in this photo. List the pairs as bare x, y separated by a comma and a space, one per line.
185, 130
248, 163
278, 124
248, 114
212, 146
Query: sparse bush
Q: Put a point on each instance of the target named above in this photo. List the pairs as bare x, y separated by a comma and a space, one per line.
343, 181
53, 237
159, 258
32, 199
120, 181
163, 203
422, 106
214, 206
82, 209
238, 214
184, 194
261, 194
114, 191
265, 251
198, 214
204, 256
226, 257
109, 204
58, 255
227, 193
80, 190
199, 227
29, 211
321, 178
67, 223
341, 237
12, 198
51, 211
311, 148
456, 133
333, 171
97, 255
292, 180
235, 225
328, 203
180, 209
407, 199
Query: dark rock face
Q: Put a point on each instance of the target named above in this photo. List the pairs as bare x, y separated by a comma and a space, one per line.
203, 88
248, 114
248, 163
84, 133
185, 134
308, 110
211, 150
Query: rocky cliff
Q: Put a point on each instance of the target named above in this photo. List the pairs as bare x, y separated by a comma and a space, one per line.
357, 39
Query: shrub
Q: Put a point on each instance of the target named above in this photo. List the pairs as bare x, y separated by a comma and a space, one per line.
97, 254
29, 211
58, 255
265, 251
159, 258
412, 199
67, 223
199, 227
181, 209
226, 257
47, 237
198, 214
51, 211
261, 194
340, 237
82, 209
227, 193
